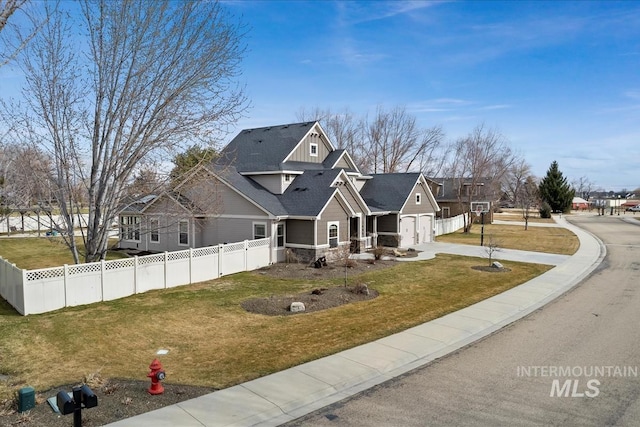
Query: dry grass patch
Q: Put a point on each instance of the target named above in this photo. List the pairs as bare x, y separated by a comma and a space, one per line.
213, 342
554, 240
31, 253
515, 215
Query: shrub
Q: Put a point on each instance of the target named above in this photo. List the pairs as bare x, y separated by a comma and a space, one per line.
378, 252
545, 210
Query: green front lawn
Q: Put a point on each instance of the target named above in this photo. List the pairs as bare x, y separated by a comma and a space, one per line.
214, 342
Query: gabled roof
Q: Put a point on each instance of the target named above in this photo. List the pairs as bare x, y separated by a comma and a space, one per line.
389, 191
140, 205
136, 206
335, 156
264, 149
309, 193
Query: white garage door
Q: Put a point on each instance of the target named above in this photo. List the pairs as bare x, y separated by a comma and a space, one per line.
407, 231
426, 225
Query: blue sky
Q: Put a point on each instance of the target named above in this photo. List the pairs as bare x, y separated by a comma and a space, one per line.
561, 80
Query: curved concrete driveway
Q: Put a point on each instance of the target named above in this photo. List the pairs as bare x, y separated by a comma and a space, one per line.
290, 394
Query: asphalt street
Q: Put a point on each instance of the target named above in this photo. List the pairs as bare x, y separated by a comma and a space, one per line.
575, 361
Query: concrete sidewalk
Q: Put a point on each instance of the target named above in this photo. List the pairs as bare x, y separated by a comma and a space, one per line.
290, 394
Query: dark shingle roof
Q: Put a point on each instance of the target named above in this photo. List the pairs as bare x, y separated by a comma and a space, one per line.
263, 149
309, 192
135, 206
388, 192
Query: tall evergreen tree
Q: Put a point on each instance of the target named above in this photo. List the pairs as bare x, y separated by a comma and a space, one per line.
555, 190
185, 162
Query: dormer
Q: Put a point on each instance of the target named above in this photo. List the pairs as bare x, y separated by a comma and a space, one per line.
275, 182
314, 147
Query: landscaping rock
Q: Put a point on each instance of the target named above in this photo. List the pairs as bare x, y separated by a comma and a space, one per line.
496, 264
296, 307
361, 289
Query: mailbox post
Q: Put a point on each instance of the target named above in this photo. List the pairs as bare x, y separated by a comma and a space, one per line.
83, 398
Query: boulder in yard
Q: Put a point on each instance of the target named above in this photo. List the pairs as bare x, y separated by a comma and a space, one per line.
296, 307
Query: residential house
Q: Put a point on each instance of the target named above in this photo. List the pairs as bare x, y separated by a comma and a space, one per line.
290, 184
580, 204
453, 195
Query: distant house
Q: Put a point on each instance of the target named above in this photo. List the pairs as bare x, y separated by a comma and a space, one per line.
580, 204
290, 184
453, 195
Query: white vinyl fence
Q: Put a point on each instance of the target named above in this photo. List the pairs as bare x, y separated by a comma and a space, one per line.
48, 289
449, 225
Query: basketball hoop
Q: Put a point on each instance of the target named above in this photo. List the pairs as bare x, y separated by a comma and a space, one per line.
479, 207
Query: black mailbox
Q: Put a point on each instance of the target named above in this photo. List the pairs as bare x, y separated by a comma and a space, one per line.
83, 397
65, 403
89, 399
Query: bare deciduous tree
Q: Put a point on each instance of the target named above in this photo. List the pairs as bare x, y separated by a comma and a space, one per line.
146, 181
583, 187
24, 173
134, 80
391, 142
8, 8
492, 246
14, 40
528, 197
479, 162
515, 179
395, 143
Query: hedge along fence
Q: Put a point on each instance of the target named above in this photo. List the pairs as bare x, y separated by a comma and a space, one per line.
48, 289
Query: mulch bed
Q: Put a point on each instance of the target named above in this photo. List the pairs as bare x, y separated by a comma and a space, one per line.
117, 399
315, 300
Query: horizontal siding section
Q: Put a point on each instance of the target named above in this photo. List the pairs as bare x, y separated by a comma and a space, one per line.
333, 212
300, 232
388, 223
222, 230
273, 183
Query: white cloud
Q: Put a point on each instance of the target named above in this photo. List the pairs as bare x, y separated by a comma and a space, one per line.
496, 107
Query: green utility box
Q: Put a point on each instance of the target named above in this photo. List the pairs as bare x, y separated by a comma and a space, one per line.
26, 399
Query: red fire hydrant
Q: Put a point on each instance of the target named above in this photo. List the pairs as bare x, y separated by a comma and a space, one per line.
156, 374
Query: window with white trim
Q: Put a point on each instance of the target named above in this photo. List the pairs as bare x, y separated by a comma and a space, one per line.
154, 226
183, 238
333, 231
259, 230
130, 228
280, 235
418, 198
287, 177
313, 149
